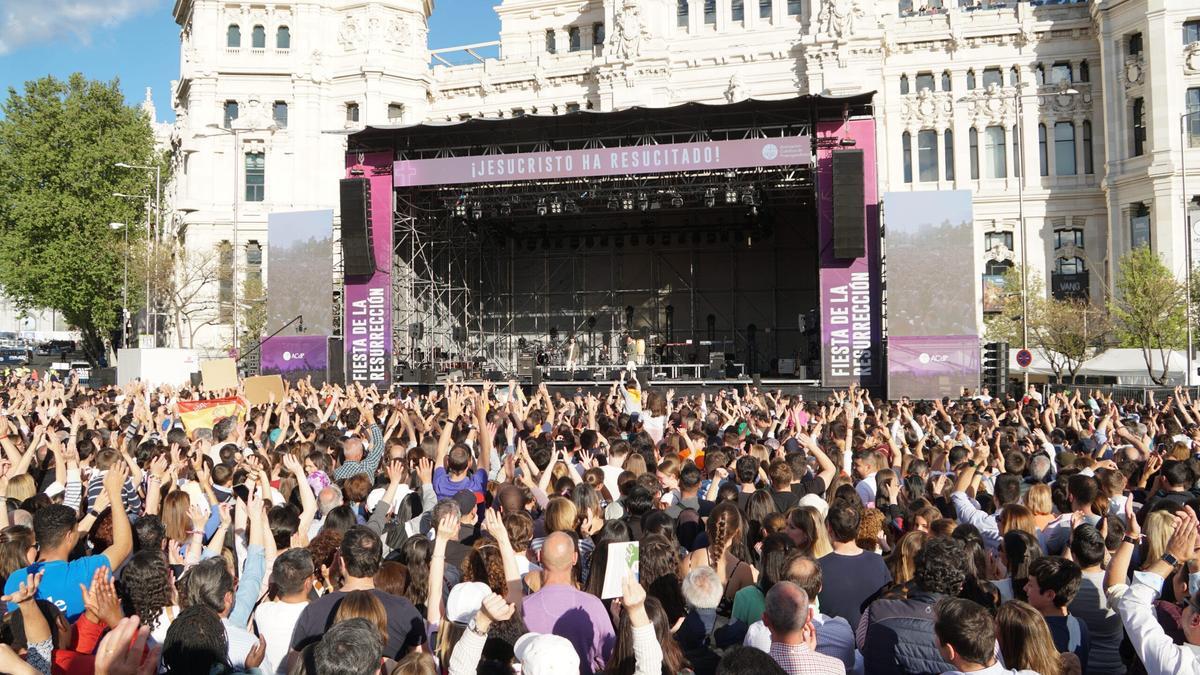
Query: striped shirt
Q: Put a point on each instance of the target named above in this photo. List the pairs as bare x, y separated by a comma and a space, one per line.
797, 659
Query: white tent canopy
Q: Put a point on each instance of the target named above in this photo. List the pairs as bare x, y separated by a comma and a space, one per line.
1127, 365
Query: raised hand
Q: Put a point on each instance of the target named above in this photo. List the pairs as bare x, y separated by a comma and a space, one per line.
425, 470
101, 601
123, 651
26, 591
395, 471
447, 528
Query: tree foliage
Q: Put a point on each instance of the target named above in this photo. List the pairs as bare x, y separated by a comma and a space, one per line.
1005, 325
1149, 308
1069, 332
59, 142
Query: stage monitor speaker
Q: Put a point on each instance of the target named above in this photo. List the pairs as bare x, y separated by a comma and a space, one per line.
559, 376
849, 212
427, 376
494, 375
337, 361
358, 253
535, 377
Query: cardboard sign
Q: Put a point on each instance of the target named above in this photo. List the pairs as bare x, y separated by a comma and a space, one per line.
260, 388
218, 374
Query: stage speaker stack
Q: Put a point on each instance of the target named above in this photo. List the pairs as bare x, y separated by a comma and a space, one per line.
337, 361
849, 212
716, 366
358, 253
525, 365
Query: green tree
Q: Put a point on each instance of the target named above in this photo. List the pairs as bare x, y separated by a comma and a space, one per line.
59, 142
1069, 332
1148, 309
1005, 325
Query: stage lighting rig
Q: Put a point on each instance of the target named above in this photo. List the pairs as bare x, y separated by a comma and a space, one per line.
710, 198
556, 206
731, 195
627, 201
613, 203
460, 209
477, 211
541, 207
643, 201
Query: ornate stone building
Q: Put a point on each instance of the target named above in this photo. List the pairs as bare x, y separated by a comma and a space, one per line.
1070, 114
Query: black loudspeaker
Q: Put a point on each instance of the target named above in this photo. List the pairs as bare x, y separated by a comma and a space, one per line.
415, 331
427, 376
196, 379
849, 212
535, 377
358, 253
559, 376
337, 361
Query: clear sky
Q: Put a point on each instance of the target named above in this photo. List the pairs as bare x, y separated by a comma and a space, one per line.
138, 41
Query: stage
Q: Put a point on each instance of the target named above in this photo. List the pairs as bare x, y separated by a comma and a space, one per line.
688, 239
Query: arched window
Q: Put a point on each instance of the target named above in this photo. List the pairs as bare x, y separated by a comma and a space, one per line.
971, 79
258, 38
945, 80
1085, 72
233, 36
681, 13
283, 38
1088, 167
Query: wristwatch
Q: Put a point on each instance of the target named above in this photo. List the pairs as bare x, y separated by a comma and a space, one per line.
1170, 560
1130, 539
474, 629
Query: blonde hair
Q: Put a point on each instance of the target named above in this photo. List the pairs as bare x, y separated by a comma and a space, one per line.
416, 663
903, 560
363, 605
1158, 529
1025, 640
1017, 517
21, 487
1038, 500
635, 463
561, 515
822, 545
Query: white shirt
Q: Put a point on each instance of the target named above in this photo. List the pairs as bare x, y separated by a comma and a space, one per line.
996, 668
866, 490
1159, 653
611, 472
275, 621
241, 641
835, 638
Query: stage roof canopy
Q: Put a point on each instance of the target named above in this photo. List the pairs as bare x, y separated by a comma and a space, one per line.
483, 135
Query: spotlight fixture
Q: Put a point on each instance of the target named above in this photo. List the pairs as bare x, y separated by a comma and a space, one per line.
677, 200
710, 198
627, 201
731, 195
541, 207
477, 211
505, 209
613, 204
460, 209
643, 201
748, 196
556, 206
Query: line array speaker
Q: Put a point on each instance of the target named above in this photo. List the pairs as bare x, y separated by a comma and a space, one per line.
849, 213
358, 253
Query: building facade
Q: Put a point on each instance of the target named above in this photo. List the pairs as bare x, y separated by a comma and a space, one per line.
1067, 117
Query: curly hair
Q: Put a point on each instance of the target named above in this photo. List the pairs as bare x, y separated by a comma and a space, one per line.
145, 587
484, 564
324, 547
940, 567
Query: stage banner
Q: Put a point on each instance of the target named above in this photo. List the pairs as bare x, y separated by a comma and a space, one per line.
933, 294
619, 161
851, 323
300, 272
295, 357
368, 300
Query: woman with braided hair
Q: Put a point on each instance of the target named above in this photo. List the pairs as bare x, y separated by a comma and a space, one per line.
726, 553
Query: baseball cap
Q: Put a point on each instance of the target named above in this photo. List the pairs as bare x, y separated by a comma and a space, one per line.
465, 600
466, 501
544, 654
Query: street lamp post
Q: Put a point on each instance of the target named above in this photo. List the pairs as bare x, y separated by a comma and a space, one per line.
151, 321
124, 286
147, 198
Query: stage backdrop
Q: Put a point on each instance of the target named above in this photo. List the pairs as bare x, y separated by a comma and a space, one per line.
368, 314
300, 272
933, 334
851, 323
295, 357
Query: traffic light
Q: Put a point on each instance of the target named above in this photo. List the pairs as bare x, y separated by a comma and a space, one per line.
995, 367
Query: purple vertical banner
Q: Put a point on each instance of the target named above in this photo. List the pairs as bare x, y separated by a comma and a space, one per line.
368, 300
295, 357
851, 310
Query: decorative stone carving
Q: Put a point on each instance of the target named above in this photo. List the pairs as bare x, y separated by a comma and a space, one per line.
736, 91
990, 106
1191, 58
627, 38
401, 32
999, 253
348, 33
256, 116
319, 72
1135, 72
927, 109
1060, 103
1026, 36
838, 19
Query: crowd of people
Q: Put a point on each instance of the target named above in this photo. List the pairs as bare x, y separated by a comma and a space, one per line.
464, 530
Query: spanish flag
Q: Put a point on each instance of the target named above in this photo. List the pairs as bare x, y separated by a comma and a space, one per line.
206, 413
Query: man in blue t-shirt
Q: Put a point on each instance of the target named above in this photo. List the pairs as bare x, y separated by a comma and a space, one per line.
452, 472
54, 527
